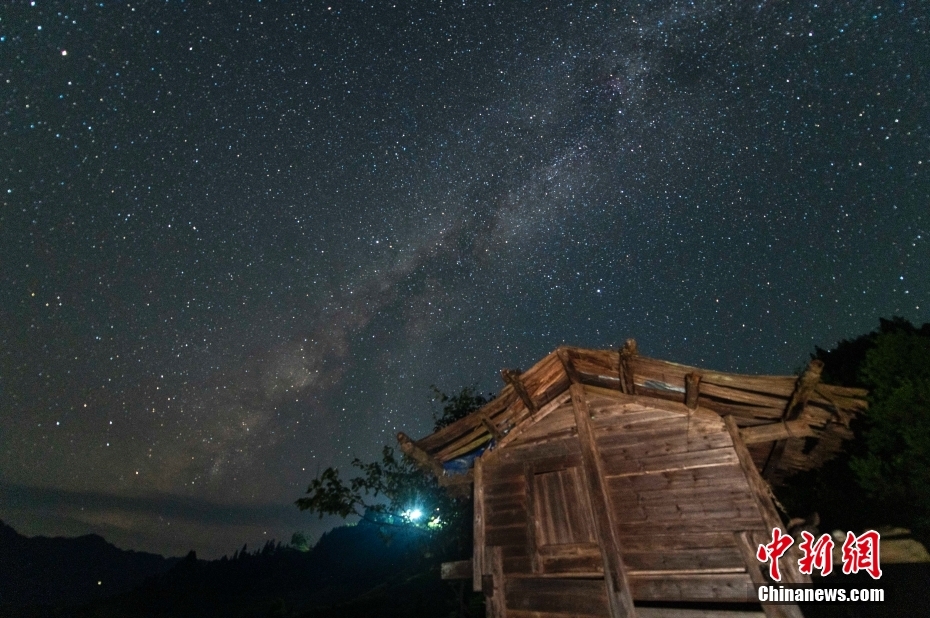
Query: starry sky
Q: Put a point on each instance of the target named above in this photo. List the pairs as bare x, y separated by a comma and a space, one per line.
239, 240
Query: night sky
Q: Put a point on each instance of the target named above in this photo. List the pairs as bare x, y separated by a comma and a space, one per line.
240, 240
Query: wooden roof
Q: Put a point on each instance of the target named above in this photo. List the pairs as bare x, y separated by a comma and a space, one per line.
790, 423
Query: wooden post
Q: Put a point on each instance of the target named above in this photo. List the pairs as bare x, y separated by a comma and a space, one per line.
478, 553
692, 388
567, 365
420, 456
531, 544
627, 353
619, 598
496, 604
490, 426
747, 549
512, 377
803, 389
762, 494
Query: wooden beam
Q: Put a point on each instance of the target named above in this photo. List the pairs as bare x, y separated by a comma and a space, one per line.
777, 431
490, 426
461, 569
532, 547
619, 597
420, 456
692, 388
478, 530
573, 376
496, 605
803, 389
806, 384
628, 353
747, 549
512, 377
762, 494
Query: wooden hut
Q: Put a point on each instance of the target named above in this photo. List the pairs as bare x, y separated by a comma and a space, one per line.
607, 484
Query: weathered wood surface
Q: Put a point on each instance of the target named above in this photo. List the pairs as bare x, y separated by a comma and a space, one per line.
707, 587
563, 509
534, 519
478, 530
762, 494
496, 603
803, 390
758, 574
754, 400
619, 598
692, 389
778, 431
676, 612
513, 378
561, 597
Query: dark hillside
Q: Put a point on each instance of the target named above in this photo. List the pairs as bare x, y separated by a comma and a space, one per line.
346, 563
62, 571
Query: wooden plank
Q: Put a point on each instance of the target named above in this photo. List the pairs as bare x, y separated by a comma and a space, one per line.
502, 518
567, 565
627, 530
556, 595
496, 605
659, 443
461, 569
620, 600
512, 377
532, 519
719, 490
478, 550
741, 508
772, 385
747, 550
462, 427
517, 432
681, 560
777, 431
736, 395
560, 422
423, 459
762, 494
506, 535
676, 612
621, 465
679, 542
729, 475
707, 587
560, 446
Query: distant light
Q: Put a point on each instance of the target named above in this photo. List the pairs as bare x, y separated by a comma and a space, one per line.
64, 52
99, 583
416, 514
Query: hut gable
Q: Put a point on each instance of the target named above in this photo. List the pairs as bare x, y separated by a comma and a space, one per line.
603, 480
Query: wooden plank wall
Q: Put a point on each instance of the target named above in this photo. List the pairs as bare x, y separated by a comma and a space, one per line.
676, 484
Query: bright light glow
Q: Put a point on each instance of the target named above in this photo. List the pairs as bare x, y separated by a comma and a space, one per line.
415, 514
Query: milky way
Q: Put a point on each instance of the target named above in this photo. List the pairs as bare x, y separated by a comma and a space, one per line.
240, 241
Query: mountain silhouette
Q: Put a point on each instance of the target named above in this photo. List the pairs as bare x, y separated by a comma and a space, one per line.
69, 571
